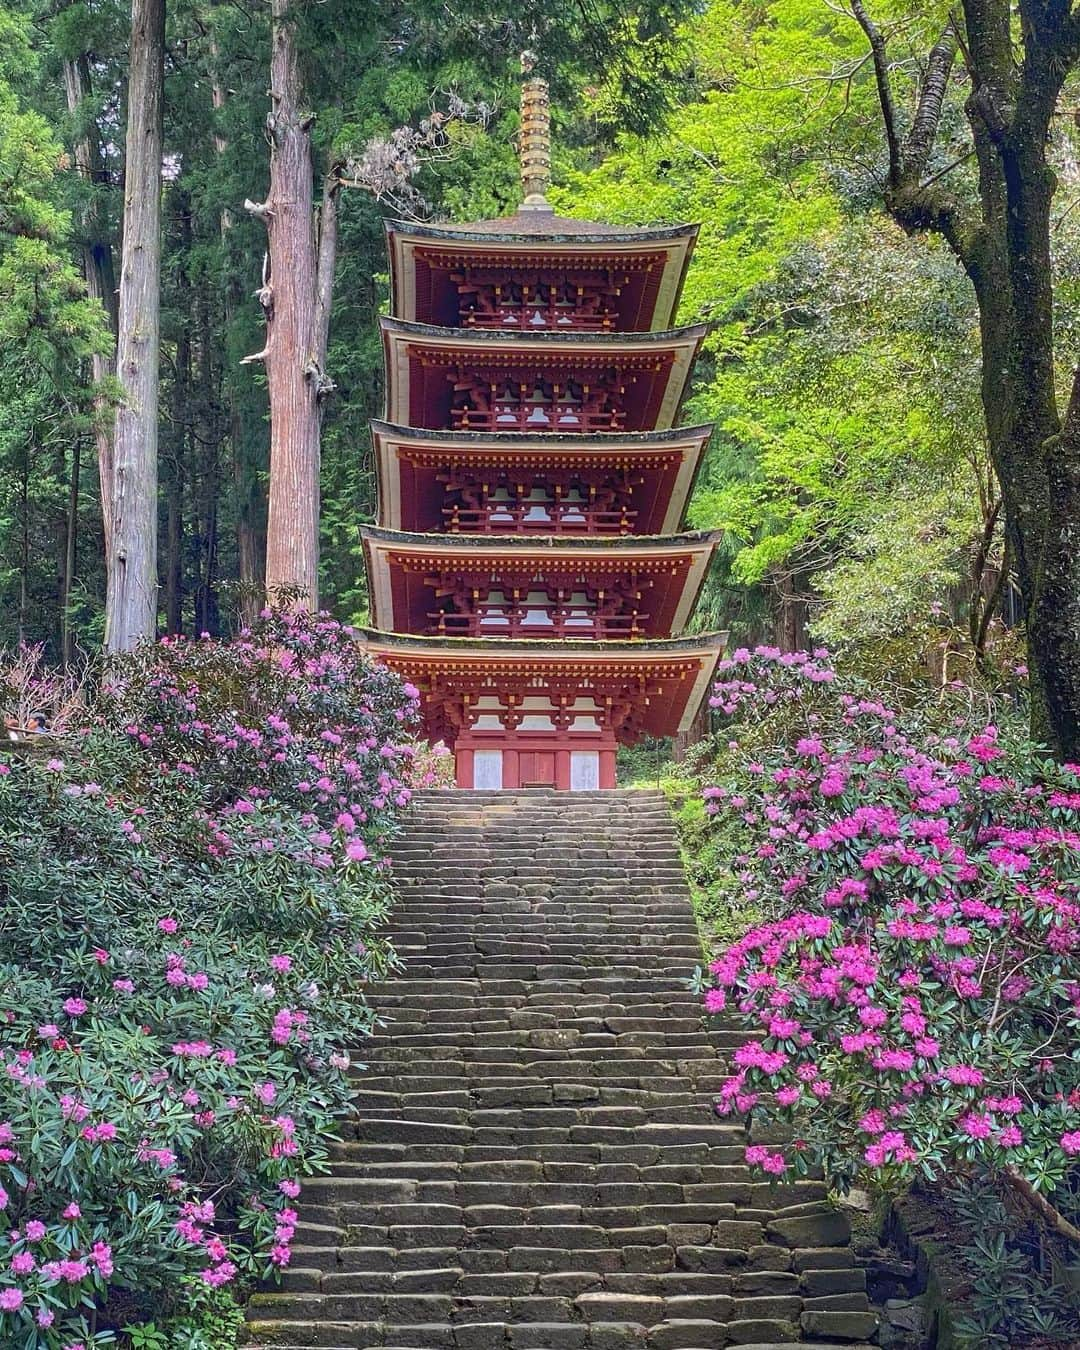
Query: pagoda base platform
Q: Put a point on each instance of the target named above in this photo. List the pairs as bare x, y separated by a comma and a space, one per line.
567, 760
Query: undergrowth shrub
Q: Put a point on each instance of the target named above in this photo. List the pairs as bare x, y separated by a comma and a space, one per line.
1015, 1297
190, 909
913, 985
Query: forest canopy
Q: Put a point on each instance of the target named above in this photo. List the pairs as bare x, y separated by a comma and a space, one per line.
850, 468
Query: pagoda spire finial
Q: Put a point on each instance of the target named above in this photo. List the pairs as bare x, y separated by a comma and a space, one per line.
534, 141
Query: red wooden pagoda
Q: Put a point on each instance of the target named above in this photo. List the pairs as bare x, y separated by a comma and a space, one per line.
528, 572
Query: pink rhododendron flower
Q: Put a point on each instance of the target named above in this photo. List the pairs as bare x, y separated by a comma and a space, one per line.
1070, 1142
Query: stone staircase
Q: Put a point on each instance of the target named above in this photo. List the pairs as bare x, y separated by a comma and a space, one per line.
535, 1164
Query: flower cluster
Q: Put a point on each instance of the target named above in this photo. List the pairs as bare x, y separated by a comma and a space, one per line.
290, 722
909, 986
191, 917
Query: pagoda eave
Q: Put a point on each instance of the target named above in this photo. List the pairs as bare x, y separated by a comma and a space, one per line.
677, 670
410, 461
653, 262
408, 572
423, 361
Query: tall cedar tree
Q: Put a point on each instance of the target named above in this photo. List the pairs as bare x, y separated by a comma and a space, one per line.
296, 301
1017, 60
129, 476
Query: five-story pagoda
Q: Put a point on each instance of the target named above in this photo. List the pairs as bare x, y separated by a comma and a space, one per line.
528, 572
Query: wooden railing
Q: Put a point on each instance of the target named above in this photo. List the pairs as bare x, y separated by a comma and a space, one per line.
560, 621
570, 417
537, 518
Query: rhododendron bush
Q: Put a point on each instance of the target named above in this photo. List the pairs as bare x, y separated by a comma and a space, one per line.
192, 893
914, 984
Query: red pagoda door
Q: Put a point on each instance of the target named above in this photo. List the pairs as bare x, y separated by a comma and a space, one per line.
536, 768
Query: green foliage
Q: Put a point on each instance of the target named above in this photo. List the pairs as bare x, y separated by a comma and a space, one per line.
48, 329
841, 363
1012, 1300
723, 912
211, 1319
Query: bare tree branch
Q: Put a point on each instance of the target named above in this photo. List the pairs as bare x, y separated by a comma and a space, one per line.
1039, 1203
884, 88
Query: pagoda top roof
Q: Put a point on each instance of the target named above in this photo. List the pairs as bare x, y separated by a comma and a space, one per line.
652, 261
532, 226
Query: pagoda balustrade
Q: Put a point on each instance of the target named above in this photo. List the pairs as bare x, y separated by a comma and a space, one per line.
570, 504
535, 300
542, 619
538, 518
536, 404
535, 610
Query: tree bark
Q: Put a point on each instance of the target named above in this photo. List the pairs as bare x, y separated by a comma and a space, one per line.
1054, 619
131, 485
179, 442
174, 546
71, 532
100, 276
294, 374
208, 437
790, 624
248, 506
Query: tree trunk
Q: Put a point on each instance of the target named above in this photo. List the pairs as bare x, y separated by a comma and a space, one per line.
1054, 617
71, 531
179, 443
174, 546
24, 542
294, 375
100, 277
131, 486
791, 610
248, 507
208, 437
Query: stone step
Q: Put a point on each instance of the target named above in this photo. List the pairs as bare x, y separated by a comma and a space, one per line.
688, 1334
647, 1154
475, 1021
380, 1090
600, 1338
532, 1192
399, 1305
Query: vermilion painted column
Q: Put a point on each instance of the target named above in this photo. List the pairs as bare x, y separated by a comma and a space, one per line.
607, 768
562, 769
511, 769
463, 760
